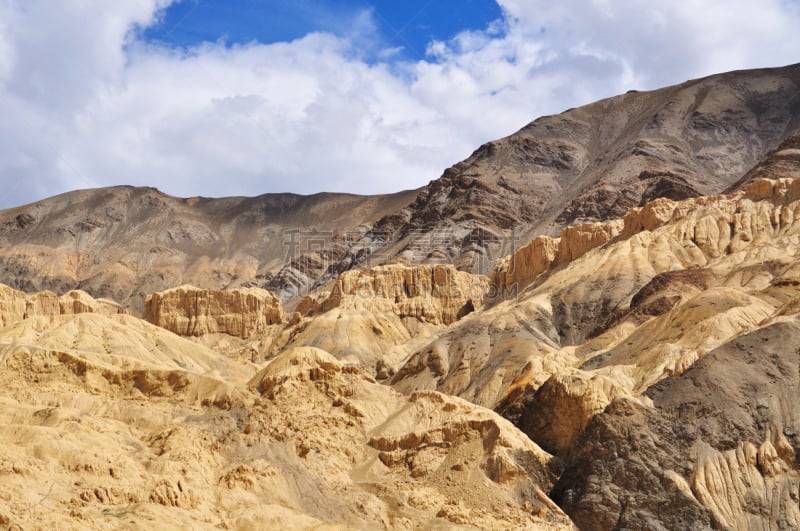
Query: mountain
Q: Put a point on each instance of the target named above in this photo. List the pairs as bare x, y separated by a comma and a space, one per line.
593, 323
595, 163
586, 164
123, 243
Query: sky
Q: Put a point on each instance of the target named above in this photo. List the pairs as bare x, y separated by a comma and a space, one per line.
244, 97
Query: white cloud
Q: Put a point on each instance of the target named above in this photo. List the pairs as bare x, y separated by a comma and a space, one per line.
666, 42
84, 104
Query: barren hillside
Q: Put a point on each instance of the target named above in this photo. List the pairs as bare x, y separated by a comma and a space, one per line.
587, 164
631, 364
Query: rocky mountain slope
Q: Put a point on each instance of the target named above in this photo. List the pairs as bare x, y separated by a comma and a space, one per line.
109, 421
124, 243
699, 325
587, 164
595, 163
633, 365
659, 296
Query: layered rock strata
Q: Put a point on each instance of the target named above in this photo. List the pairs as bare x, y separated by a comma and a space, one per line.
437, 294
190, 311
16, 305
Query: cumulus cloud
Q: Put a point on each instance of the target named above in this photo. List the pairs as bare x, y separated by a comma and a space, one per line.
655, 44
87, 103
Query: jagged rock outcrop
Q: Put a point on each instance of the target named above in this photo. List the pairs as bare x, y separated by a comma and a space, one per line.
376, 317
427, 457
717, 233
190, 311
544, 253
622, 475
438, 294
721, 438
556, 413
16, 305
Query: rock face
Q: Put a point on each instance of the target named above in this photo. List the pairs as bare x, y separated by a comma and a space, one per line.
438, 294
557, 413
16, 305
544, 253
721, 440
375, 317
190, 311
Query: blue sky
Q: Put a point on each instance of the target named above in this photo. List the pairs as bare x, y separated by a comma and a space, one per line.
244, 97
410, 24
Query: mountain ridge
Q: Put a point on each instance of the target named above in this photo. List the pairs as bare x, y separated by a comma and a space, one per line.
586, 164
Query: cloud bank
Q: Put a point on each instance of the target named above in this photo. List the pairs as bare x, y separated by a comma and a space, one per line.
85, 102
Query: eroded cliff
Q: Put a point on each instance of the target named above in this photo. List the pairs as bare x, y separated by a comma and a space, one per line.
190, 311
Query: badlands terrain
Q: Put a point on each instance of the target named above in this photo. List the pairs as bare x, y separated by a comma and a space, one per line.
593, 323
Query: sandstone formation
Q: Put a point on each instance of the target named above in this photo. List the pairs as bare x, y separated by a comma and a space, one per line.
111, 421
16, 305
377, 316
639, 371
542, 254
435, 294
372, 317
190, 311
